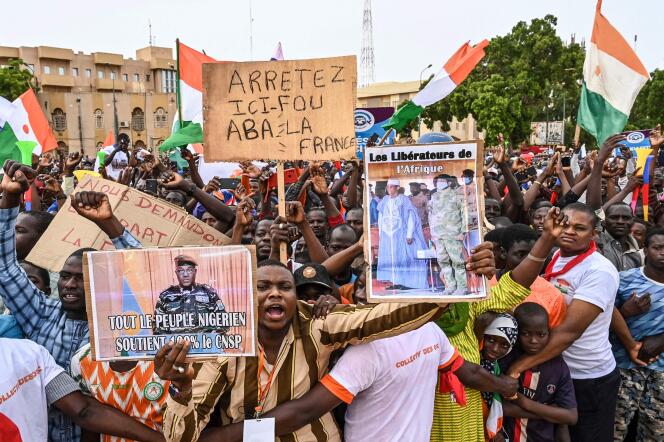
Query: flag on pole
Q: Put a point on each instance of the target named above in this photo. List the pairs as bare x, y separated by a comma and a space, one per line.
278, 53
23, 120
110, 139
613, 75
457, 68
190, 82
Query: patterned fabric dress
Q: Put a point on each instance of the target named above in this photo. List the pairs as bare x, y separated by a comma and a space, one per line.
452, 423
139, 392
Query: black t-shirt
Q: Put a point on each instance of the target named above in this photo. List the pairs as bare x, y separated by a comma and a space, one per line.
549, 384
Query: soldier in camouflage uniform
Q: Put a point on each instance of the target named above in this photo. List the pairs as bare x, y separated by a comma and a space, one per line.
188, 297
448, 225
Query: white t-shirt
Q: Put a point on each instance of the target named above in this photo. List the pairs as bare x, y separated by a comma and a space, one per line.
594, 280
26, 370
120, 161
390, 385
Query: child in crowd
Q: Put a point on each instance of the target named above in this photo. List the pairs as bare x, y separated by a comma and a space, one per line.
499, 338
545, 403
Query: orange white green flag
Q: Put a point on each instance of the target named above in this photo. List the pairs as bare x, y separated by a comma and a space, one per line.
24, 121
613, 75
457, 68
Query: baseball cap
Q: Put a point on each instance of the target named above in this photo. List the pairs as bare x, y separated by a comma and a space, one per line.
312, 273
185, 259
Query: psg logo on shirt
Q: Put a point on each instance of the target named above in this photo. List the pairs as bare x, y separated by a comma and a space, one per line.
551, 388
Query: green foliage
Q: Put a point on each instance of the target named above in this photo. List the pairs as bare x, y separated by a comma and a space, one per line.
648, 109
15, 79
511, 86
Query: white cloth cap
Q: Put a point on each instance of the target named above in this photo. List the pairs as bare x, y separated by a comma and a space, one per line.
393, 182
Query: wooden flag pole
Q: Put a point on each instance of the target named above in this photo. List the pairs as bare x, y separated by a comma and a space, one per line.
281, 194
577, 135
387, 134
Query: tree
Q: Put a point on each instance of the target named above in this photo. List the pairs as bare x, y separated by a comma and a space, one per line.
648, 109
15, 79
524, 76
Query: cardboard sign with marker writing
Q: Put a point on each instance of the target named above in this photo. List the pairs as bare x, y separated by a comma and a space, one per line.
280, 110
154, 222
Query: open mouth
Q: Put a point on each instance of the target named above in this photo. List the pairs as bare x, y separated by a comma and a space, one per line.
68, 297
275, 312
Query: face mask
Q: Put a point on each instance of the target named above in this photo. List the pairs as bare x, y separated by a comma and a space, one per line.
442, 185
467, 180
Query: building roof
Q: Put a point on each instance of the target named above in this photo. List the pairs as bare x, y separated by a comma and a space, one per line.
388, 88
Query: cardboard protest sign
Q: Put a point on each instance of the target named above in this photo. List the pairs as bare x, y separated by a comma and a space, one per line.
154, 222
369, 122
424, 205
140, 299
280, 110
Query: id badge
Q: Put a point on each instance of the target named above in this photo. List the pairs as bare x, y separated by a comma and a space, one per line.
259, 430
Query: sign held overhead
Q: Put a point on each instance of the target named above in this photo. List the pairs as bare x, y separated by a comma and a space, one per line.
280, 110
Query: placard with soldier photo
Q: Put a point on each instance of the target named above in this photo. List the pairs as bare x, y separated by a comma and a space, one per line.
140, 299
424, 205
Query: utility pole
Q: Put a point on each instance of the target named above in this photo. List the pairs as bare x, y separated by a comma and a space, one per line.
251, 33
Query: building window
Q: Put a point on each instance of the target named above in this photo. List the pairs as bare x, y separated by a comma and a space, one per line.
74, 72
88, 73
113, 75
47, 70
168, 81
138, 119
125, 77
59, 120
100, 75
99, 119
61, 71
32, 68
160, 118
147, 77
137, 78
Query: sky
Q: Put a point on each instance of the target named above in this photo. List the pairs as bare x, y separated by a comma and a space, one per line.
407, 34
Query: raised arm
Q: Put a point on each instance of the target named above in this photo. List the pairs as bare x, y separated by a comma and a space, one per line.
193, 168
533, 192
337, 263
295, 215
216, 208
594, 193
319, 186
28, 304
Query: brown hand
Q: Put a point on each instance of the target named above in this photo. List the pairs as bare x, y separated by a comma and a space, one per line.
17, 177
295, 212
168, 359
94, 206
482, 260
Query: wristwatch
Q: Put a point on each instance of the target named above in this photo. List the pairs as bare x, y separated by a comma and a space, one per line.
176, 393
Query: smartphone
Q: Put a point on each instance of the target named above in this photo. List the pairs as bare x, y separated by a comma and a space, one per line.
566, 161
151, 186
228, 183
521, 175
531, 171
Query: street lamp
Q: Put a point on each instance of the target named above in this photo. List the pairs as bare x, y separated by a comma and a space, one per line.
419, 118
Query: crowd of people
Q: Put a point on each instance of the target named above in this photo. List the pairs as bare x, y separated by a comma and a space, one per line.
565, 347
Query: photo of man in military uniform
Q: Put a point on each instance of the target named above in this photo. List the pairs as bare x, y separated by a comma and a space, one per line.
188, 297
449, 224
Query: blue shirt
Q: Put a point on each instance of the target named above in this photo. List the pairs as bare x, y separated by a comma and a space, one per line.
42, 319
646, 324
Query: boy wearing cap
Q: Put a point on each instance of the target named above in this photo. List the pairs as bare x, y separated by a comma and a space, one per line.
188, 297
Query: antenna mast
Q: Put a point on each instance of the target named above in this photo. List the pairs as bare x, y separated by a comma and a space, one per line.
367, 55
251, 33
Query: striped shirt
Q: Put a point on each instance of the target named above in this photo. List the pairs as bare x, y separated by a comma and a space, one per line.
303, 359
646, 324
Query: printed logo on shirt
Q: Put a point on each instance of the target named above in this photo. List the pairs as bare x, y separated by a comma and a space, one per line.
153, 391
22, 381
562, 285
551, 388
416, 355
